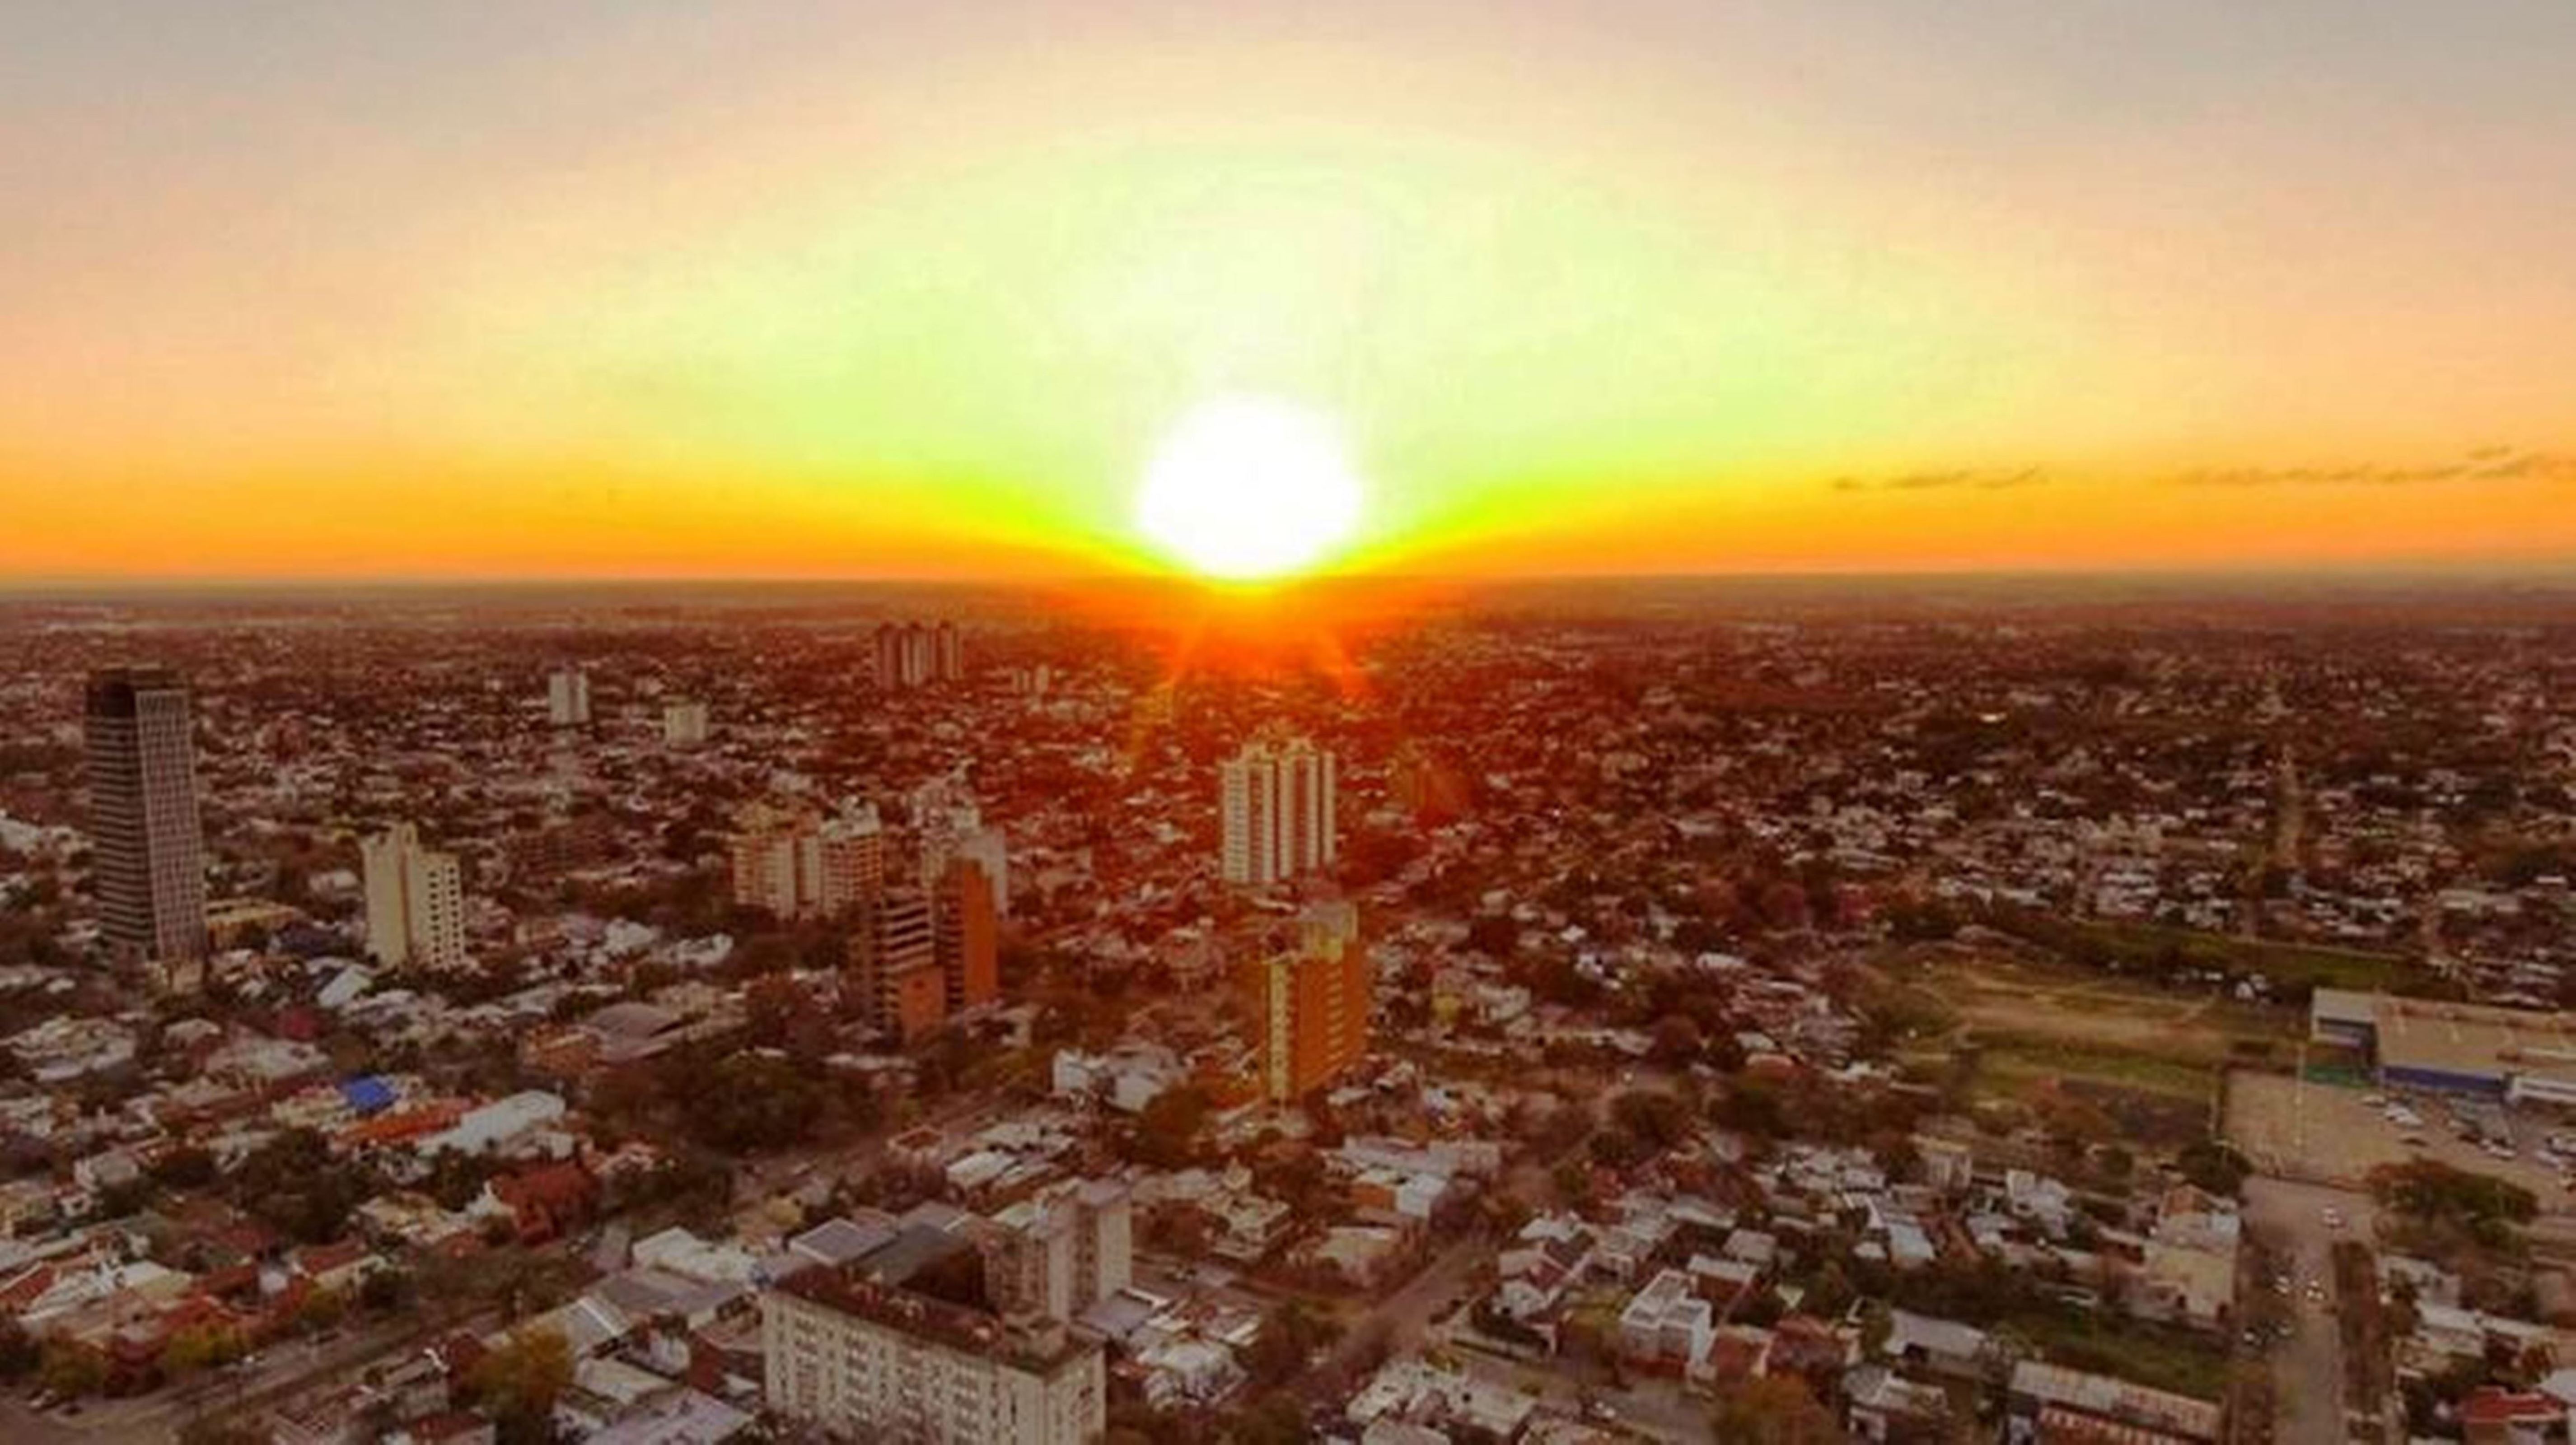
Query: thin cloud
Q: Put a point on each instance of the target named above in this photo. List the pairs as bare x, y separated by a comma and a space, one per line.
1970, 478
2486, 464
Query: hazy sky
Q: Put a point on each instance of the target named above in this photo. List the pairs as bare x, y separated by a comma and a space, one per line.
768, 288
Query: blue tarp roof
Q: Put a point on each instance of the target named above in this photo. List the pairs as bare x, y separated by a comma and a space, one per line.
368, 1094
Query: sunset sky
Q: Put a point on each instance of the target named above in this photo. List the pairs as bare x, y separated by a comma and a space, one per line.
766, 289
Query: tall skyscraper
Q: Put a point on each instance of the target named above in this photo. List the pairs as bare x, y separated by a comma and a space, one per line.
148, 853
415, 901
947, 653
1275, 800
1308, 996
568, 697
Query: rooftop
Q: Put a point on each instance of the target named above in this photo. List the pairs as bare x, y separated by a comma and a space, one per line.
938, 1322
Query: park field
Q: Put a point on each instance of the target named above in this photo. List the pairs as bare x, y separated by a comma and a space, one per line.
2025, 1028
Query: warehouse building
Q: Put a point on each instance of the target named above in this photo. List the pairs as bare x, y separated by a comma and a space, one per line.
2518, 1055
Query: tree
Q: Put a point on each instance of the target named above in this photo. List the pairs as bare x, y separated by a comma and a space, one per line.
1288, 1342
200, 1346
747, 1103
71, 1369
2432, 1193
186, 1167
127, 1197
1752, 1106
1774, 1410
1167, 1131
2213, 1166
770, 1007
1275, 1419
1658, 1118
518, 1384
385, 1291
294, 1184
1677, 1039
321, 1310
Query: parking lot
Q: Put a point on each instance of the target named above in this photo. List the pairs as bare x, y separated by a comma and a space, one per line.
2321, 1132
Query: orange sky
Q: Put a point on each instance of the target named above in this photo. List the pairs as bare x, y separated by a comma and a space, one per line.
779, 289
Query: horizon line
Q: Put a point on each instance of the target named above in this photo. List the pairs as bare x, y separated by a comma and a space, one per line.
2462, 572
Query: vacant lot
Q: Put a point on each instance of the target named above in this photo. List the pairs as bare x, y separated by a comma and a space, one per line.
2159, 1357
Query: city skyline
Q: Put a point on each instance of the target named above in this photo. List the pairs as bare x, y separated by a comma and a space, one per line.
1288, 722
1597, 1008
789, 293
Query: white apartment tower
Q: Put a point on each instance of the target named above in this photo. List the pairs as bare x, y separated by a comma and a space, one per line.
1060, 1251
858, 1361
903, 655
950, 826
914, 654
797, 865
568, 697
148, 850
1276, 804
415, 901
684, 723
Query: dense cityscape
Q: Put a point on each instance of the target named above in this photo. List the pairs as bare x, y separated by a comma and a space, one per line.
1646, 1012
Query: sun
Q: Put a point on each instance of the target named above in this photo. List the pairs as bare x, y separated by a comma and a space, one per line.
1249, 488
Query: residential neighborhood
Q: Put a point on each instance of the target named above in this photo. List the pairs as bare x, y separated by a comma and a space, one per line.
936, 1020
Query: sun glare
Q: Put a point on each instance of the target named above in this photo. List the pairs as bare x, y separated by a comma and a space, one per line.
1247, 488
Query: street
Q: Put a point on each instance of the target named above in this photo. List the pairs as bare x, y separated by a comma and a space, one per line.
158, 1416
2307, 1367
283, 1369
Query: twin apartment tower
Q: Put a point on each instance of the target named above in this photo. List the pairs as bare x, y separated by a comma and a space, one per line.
1276, 803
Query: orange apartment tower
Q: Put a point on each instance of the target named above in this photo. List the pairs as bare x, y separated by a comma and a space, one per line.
969, 936
894, 955
1309, 1003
